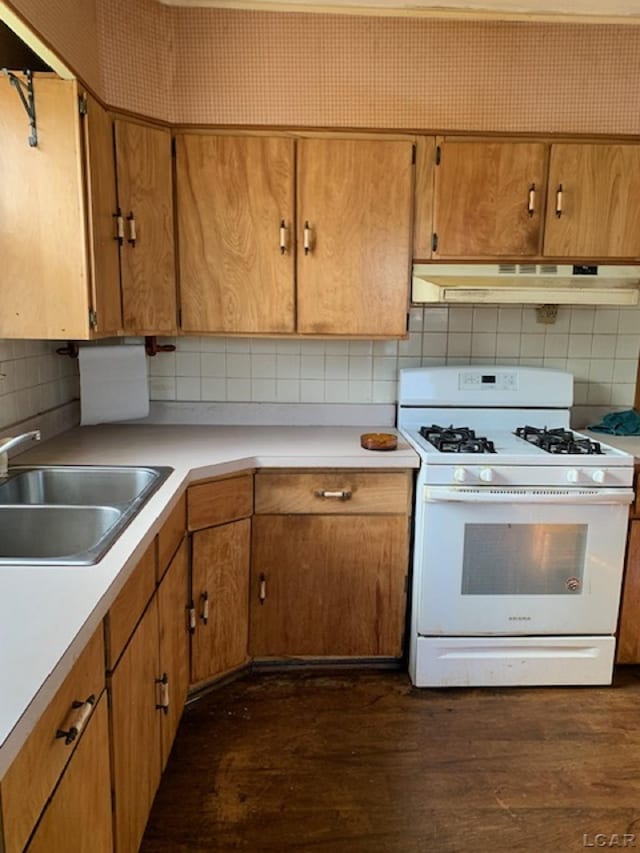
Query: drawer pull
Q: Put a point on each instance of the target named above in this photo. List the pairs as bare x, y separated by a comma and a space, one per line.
163, 704
133, 236
119, 227
531, 205
343, 495
306, 238
263, 588
283, 237
559, 197
204, 613
80, 721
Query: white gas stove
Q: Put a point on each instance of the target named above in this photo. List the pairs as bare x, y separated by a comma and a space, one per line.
520, 529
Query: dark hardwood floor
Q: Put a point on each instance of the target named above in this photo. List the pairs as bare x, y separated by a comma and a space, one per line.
364, 763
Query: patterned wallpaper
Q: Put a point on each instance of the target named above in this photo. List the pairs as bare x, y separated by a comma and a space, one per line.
225, 66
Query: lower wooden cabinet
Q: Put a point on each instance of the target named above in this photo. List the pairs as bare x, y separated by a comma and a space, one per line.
629, 625
148, 689
78, 817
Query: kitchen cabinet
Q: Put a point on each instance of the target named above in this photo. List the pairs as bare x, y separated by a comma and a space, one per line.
330, 561
33, 776
628, 649
219, 516
592, 210
147, 689
338, 266
489, 198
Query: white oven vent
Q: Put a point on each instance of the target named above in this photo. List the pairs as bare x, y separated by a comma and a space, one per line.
526, 284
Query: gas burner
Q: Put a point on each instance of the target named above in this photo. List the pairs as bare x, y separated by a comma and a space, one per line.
456, 439
559, 441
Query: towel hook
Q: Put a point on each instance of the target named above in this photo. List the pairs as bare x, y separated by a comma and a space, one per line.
71, 349
152, 347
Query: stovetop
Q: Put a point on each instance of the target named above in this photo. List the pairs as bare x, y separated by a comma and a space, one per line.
464, 439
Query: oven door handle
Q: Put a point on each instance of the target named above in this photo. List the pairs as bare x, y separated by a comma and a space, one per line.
438, 494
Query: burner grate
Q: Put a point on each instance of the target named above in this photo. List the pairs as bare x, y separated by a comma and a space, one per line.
561, 441
456, 439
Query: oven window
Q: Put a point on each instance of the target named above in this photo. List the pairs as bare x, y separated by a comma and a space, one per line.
523, 559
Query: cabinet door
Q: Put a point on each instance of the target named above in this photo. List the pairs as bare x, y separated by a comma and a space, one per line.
143, 158
45, 282
78, 818
135, 732
629, 626
328, 585
102, 206
235, 233
220, 564
355, 216
174, 643
489, 199
594, 189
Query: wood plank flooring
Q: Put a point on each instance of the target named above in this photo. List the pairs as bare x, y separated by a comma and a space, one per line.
362, 762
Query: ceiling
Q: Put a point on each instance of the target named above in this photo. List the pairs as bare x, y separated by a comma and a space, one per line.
596, 11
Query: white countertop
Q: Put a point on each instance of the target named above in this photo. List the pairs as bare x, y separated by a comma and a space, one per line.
47, 613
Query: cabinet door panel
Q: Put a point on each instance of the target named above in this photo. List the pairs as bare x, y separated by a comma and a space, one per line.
482, 192
135, 732
143, 157
78, 818
233, 194
174, 643
220, 560
357, 197
102, 205
335, 585
600, 214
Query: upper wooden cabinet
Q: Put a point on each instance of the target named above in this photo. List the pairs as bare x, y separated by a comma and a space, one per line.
593, 210
248, 265
489, 198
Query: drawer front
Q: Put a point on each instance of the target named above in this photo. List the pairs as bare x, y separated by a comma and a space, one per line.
172, 534
219, 501
334, 492
31, 778
126, 610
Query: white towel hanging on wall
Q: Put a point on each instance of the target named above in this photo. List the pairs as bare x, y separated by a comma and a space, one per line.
113, 384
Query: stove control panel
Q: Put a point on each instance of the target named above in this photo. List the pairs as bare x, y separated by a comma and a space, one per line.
498, 380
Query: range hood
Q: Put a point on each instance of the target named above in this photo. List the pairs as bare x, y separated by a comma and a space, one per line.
527, 284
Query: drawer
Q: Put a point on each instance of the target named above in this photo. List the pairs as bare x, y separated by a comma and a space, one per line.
36, 769
219, 501
334, 492
172, 534
126, 610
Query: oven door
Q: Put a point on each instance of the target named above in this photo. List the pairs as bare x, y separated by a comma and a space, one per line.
519, 560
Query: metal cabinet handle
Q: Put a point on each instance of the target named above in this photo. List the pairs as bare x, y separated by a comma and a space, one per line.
79, 720
163, 704
531, 204
119, 236
204, 613
559, 193
306, 238
132, 229
343, 495
262, 594
283, 236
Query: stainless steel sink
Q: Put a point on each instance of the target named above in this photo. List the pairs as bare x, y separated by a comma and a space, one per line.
70, 515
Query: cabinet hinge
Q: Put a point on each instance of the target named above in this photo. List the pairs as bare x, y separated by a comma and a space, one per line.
413, 154
93, 318
438, 155
434, 242
82, 105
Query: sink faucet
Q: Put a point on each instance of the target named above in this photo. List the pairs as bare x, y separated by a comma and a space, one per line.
11, 441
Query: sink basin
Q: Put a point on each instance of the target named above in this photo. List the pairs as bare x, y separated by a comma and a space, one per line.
51, 534
77, 485
70, 515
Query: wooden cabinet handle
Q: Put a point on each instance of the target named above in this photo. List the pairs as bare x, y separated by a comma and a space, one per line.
132, 229
283, 237
559, 193
192, 618
83, 710
343, 495
119, 227
531, 204
306, 238
204, 613
262, 594
163, 703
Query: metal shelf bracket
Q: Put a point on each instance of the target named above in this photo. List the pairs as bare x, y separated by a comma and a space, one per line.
25, 91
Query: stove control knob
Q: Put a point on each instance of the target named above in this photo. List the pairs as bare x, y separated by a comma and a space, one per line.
459, 475
486, 475
598, 476
572, 475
